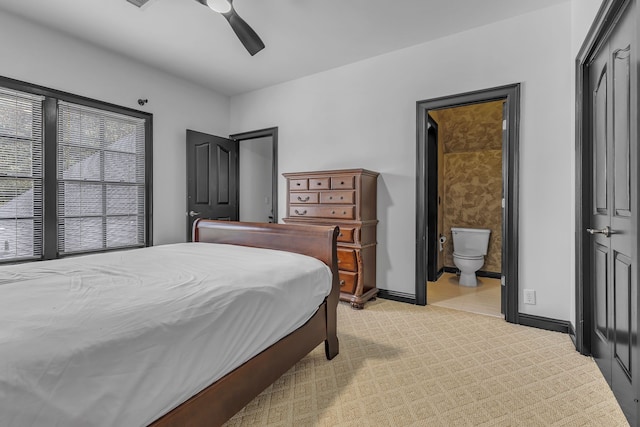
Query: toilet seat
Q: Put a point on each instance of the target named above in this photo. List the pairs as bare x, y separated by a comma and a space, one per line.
468, 255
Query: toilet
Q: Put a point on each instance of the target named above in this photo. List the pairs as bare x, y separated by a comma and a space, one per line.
469, 248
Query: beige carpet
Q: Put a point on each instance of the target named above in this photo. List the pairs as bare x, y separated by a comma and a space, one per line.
404, 365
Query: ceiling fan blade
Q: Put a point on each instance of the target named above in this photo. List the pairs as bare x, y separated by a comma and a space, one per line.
245, 33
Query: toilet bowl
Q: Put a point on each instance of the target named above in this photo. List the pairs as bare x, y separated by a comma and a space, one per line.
469, 248
468, 265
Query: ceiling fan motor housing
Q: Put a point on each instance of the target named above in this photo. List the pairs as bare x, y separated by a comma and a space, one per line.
138, 3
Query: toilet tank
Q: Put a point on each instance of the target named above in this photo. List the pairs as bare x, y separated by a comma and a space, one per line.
470, 240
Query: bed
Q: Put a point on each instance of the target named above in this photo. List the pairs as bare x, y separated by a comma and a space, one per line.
146, 362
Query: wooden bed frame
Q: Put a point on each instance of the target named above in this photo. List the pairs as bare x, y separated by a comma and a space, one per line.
223, 399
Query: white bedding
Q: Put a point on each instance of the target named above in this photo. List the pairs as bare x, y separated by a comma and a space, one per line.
120, 338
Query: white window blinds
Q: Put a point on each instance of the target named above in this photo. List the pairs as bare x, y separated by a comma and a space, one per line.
101, 179
20, 175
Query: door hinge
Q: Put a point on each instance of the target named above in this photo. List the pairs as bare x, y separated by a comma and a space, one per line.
503, 203
504, 125
503, 281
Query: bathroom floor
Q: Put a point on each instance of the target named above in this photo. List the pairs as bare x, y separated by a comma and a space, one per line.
483, 299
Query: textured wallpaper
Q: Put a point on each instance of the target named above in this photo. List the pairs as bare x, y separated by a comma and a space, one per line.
473, 198
472, 175
475, 127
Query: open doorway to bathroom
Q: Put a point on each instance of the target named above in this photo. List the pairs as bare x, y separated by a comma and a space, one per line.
468, 147
467, 178
258, 175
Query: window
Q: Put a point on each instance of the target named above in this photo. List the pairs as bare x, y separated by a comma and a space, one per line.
20, 175
76, 181
101, 179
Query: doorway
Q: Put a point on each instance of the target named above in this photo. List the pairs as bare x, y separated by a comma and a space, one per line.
215, 178
258, 175
427, 221
464, 177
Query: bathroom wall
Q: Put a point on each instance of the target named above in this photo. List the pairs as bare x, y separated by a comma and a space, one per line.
472, 174
254, 194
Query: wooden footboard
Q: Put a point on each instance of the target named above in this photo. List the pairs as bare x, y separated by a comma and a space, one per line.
219, 402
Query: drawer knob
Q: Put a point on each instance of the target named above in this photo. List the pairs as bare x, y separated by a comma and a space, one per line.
340, 235
333, 212
330, 197
318, 183
341, 198
342, 282
298, 184
304, 212
306, 199
341, 182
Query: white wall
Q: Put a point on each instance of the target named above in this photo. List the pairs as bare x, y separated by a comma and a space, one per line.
361, 115
256, 162
583, 12
40, 56
364, 115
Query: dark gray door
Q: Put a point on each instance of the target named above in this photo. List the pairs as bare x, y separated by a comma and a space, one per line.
212, 178
433, 200
614, 203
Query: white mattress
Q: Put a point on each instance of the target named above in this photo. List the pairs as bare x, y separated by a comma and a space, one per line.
120, 338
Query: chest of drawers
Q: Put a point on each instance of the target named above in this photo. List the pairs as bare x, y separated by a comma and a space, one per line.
346, 198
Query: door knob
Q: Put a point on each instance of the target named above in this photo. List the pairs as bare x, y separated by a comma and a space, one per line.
192, 213
606, 231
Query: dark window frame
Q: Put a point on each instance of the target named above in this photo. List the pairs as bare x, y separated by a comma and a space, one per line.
50, 181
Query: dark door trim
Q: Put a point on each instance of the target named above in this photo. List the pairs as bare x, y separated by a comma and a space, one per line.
262, 133
603, 24
510, 172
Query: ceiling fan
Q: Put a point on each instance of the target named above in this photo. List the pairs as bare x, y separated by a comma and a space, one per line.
245, 33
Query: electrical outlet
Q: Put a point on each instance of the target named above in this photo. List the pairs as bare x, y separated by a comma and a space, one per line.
529, 296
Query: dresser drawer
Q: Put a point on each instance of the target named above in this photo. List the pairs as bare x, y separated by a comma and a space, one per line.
343, 182
348, 281
347, 259
346, 197
341, 212
347, 235
298, 184
303, 197
319, 183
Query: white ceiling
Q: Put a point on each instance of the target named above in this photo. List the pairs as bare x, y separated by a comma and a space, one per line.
302, 37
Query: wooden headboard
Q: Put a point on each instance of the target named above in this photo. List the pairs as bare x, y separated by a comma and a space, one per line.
312, 240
